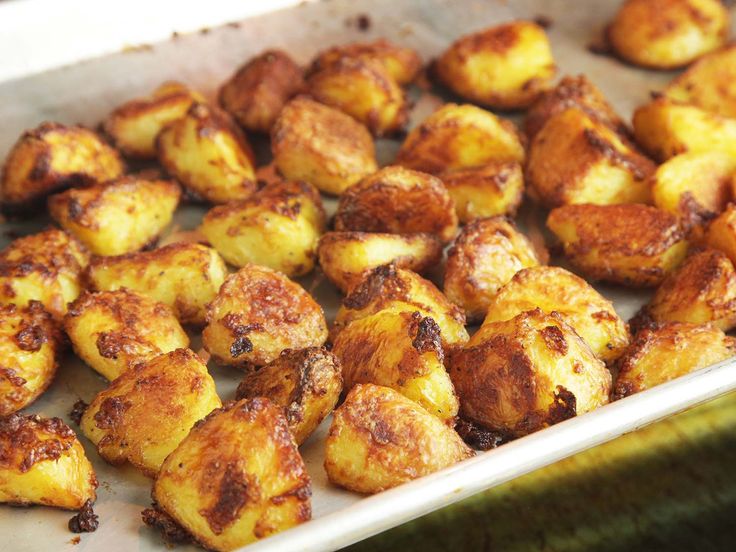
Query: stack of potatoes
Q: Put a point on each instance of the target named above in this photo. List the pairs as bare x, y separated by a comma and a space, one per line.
409, 387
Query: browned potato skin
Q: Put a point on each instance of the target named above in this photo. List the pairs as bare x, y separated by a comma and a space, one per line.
380, 439
398, 201
30, 342
721, 233
668, 352
258, 313
484, 257
305, 382
258, 91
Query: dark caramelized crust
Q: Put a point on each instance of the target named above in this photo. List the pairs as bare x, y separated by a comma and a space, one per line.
171, 531
86, 521
22, 445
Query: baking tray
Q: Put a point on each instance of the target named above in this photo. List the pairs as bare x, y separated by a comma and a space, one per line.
86, 92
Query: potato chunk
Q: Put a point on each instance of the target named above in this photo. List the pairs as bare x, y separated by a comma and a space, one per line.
380, 439
278, 227
43, 463
346, 257
258, 91
258, 313
30, 343
486, 255
668, 352
44, 267
145, 413
206, 151
52, 157
306, 383
113, 330
665, 34
721, 233
321, 145
458, 137
398, 201
634, 245
521, 375
135, 125
120, 217
389, 288
554, 289
504, 67
575, 158
236, 478
184, 276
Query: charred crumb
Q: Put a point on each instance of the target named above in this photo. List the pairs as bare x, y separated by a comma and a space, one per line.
86, 521
544, 21
478, 437
240, 346
78, 411
75, 540
361, 21
158, 519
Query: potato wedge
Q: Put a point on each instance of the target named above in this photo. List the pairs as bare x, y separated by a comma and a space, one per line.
721, 233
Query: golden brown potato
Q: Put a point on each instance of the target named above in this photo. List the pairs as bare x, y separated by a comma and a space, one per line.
114, 330
506, 66
346, 257
458, 137
665, 34
44, 267
721, 233
306, 383
401, 350
321, 145
135, 125
236, 478
668, 352
521, 375
554, 289
206, 151
495, 188
258, 313
52, 157
388, 288
120, 217
575, 158
634, 245
258, 91
277, 227
484, 257
30, 343
379, 439
43, 463
398, 201
145, 413
184, 276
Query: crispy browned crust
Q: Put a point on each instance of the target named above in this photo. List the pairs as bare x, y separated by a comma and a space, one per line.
171, 531
20, 446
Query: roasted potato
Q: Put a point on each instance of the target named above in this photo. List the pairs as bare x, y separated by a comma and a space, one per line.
505, 67
458, 137
398, 201
145, 413
184, 276
634, 245
52, 157
30, 343
346, 257
44, 267
576, 158
113, 330
521, 375
380, 439
554, 289
236, 478
258, 91
721, 233
258, 313
206, 151
135, 125
665, 34
278, 227
486, 255
389, 288
668, 352
306, 383
42, 462
120, 217
321, 145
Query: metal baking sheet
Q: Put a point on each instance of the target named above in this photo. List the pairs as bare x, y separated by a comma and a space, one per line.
86, 92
